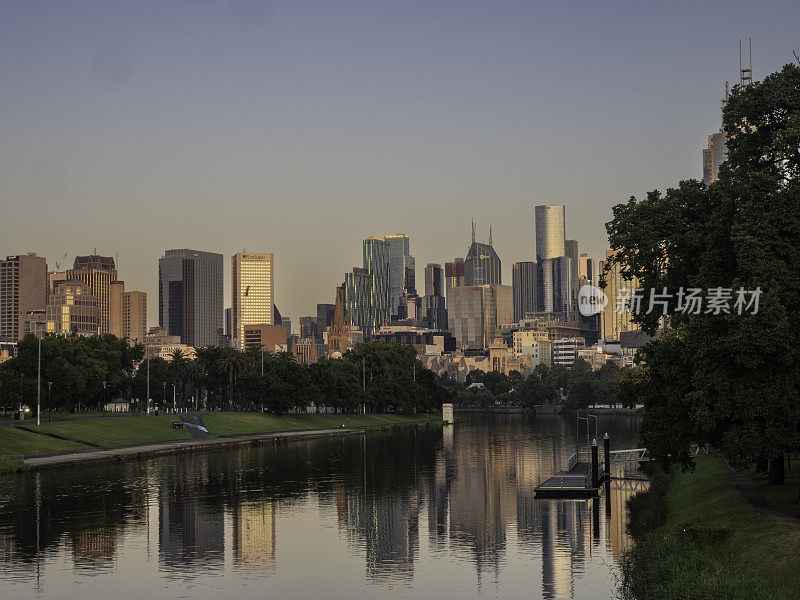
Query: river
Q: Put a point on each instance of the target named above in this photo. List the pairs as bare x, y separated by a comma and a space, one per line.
416, 513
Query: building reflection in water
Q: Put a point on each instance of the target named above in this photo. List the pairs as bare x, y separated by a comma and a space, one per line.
253, 542
471, 484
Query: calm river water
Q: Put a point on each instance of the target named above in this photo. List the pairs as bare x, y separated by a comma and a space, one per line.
430, 513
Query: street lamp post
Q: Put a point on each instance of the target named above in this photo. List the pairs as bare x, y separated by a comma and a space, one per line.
147, 352
39, 387
105, 398
174, 400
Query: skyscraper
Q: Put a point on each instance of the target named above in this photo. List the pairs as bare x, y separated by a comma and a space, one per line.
550, 220
134, 316
433, 313
475, 313
453, 274
359, 305
23, 288
554, 270
252, 293
401, 271
523, 284
587, 268
73, 308
482, 265
433, 280
190, 295
571, 252
376, 262
99, 273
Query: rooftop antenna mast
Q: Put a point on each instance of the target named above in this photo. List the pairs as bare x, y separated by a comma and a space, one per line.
473, 231
746, 73
490, 234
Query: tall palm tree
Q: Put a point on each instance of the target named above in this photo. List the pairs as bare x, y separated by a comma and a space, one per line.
179, 366
207, 358
230, 362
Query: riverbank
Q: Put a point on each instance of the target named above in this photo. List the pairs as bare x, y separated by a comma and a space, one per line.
99, 439
713, 544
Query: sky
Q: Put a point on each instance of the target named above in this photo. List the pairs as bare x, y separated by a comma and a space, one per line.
301, 127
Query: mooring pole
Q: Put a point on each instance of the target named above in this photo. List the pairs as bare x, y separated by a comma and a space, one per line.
607, 457
594, 464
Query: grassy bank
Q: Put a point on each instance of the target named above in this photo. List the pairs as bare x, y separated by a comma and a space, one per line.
242, 423
83, 434
713, 544
18, 442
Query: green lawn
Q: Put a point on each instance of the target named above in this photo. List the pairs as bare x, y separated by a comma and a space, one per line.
714, 545
241, 423
117, 431
16, 442
785, 496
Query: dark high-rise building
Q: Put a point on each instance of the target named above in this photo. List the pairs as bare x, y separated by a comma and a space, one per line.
324, 318
571, 252
433, 312
190, 292
482, 265
23, 288
308, 327
359, 307
376, 263
401, 271
523, 276
433, 280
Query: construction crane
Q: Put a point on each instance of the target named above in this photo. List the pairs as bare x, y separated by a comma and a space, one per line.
61, 260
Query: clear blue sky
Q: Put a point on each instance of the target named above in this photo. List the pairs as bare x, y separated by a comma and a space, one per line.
300, 127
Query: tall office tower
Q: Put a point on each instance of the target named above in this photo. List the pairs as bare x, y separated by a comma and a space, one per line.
401, 271
550, 246
453, 274
614, 320
252, 293
359, 305
23, 288
324, 318
134, 316
73, 308
523, 284
433, 280
587, 269
98, 272
116, 292
571, 252
550, 220
308, 327
411, 276
475, 313
287, 325
190, 292
432, 313
714, 155
376, 263
482, 265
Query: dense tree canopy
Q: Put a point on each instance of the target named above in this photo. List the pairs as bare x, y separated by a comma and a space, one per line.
722, 377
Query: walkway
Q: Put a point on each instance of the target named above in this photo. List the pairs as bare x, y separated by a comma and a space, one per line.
753, 494
144, 450
194, 424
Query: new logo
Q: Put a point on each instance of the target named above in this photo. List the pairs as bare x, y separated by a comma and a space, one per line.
591, 300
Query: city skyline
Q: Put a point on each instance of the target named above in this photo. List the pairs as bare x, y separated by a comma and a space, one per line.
295, 122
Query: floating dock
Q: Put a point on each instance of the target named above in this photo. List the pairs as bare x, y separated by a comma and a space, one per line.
574, 482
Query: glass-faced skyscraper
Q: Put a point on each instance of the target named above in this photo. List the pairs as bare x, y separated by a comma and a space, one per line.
98, 273
376, 263
482, 265
523, 278
190, 301
401, 271
252, 293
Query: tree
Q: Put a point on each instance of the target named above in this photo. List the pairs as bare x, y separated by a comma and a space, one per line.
728, 379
